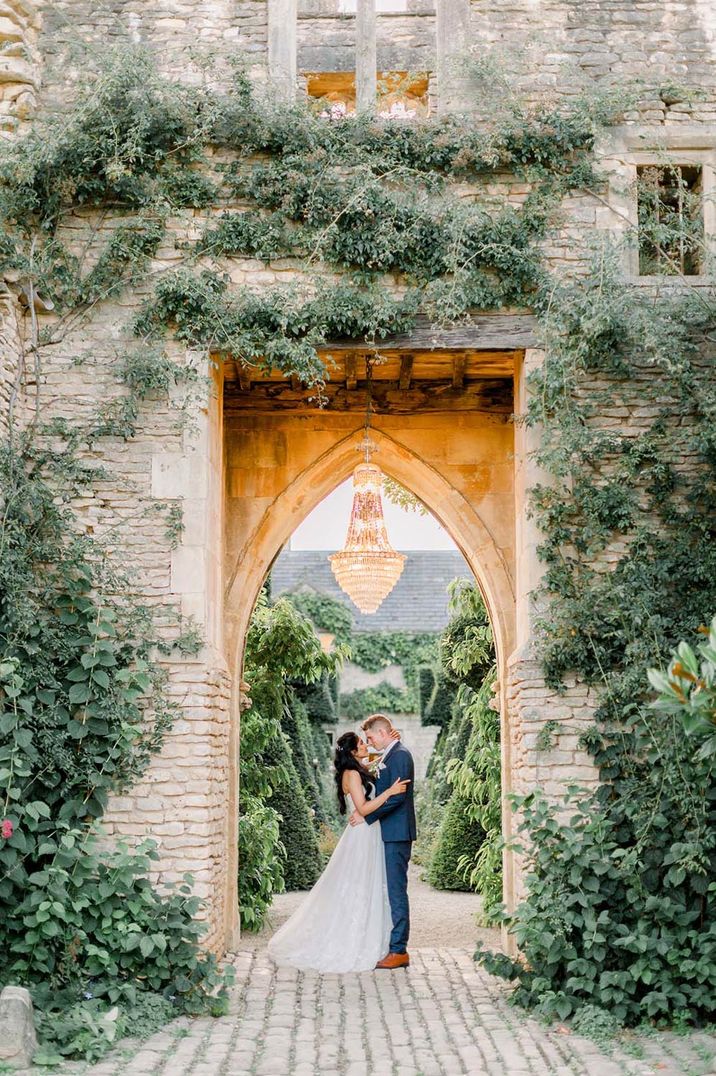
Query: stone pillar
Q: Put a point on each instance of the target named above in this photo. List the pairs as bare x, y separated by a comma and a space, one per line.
453, 35
366, 56
529, 703
282, 47
528, 569
184, 801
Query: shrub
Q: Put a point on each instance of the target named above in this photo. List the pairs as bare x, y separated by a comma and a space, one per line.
297, 833
261, 861
458, 835
476, 776
82, 709
319, 699
383, 697
275, 777
439, 707
426, 683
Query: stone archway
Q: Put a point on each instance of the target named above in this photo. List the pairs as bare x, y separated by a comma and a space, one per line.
279, 466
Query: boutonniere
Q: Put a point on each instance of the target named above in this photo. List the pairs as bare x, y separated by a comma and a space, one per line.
375, 766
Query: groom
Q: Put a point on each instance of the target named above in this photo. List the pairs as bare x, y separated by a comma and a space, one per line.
397, 824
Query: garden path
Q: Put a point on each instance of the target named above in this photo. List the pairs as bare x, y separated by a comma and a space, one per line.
444, 1016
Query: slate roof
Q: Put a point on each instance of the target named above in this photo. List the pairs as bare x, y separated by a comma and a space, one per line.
418, 602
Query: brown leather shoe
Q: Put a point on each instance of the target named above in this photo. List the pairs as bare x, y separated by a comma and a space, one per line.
394, 960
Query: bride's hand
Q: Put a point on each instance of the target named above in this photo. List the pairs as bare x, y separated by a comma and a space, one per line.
399, 786
394, 734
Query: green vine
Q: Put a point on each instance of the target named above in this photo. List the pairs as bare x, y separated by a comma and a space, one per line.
627, 515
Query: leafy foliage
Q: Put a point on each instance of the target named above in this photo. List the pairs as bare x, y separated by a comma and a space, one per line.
82, 710
619, 909
383, 698
327, 613
688, 689
476, 784
460, 811
279, 794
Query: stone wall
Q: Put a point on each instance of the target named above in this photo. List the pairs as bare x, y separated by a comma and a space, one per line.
193, 40
552, 48
20, 23
477, 468
556, 46
326, 37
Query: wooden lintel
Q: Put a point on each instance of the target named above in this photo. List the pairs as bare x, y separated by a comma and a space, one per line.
458, 371
406, 369
483, 332
351, 372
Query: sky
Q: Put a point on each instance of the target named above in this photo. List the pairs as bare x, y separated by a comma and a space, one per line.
326, 526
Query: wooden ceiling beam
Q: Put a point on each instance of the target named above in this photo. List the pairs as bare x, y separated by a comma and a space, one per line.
406, 370
493, 395
351, 372
459, 364
242, 376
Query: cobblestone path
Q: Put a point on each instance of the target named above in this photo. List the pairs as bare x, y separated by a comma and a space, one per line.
441, 1017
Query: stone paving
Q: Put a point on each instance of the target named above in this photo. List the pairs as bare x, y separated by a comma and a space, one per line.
443, 1016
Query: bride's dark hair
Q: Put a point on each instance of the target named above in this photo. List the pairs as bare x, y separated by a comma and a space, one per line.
345, 760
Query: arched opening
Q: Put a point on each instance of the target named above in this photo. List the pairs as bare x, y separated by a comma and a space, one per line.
283, 498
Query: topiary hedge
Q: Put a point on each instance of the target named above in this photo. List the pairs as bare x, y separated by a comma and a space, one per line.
425, 676
439, 706
459, 835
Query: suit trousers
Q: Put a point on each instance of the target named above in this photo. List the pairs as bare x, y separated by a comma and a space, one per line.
397, 858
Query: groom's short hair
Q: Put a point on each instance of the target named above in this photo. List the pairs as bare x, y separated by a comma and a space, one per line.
377, 719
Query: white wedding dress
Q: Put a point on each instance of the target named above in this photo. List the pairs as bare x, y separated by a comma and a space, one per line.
344, 923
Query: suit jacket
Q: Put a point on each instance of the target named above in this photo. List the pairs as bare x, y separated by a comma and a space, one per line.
397, 814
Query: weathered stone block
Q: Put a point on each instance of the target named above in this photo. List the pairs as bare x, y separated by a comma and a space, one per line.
18, 1041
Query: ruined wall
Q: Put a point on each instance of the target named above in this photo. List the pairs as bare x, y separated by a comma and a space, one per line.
187, 801
405, 38
20, 23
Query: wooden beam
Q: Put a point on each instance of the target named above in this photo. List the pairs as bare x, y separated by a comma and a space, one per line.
494, 396
483, 332
351, 375
458, 371
406, 369
242, 376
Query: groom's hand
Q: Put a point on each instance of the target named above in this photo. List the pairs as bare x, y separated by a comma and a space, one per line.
356, 819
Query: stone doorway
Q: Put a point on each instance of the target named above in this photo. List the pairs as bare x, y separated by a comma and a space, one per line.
443, 425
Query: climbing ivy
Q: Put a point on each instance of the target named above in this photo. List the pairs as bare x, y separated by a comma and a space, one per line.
82, 710
627, 515
620, 905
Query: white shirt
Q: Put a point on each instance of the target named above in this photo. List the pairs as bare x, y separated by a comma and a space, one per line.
385, 754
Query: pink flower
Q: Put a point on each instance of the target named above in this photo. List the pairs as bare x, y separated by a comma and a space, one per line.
7, 827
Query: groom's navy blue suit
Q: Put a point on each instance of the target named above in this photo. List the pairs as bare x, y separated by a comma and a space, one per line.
397, 824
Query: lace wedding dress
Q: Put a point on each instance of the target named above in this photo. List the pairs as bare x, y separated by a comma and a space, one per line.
344, 922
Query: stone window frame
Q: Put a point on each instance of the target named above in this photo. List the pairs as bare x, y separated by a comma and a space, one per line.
452, 35
633, 149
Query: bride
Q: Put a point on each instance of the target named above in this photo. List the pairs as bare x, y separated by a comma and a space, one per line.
344, 923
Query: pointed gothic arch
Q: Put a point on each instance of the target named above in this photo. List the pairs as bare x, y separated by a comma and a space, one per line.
249, 561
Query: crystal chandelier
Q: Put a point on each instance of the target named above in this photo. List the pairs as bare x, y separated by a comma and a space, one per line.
367, 568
